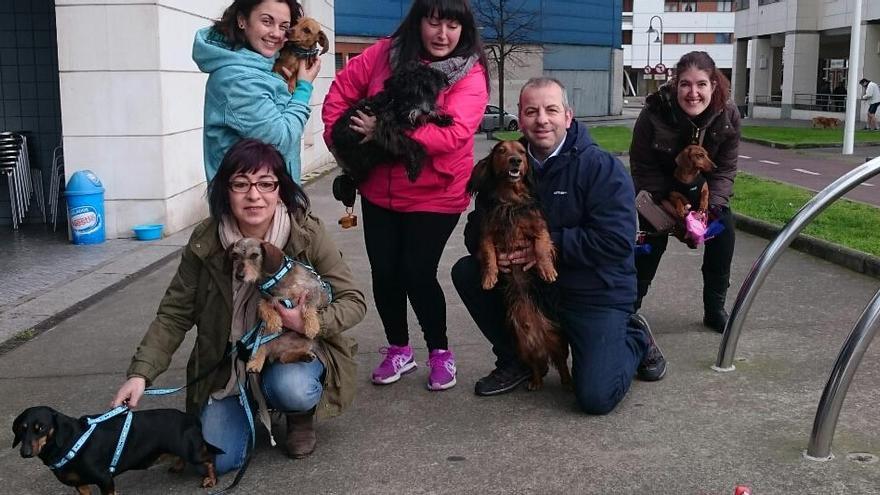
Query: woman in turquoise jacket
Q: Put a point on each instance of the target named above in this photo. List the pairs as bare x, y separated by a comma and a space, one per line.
243, 97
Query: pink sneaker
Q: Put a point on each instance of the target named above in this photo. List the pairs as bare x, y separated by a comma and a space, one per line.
398, 361
442, 364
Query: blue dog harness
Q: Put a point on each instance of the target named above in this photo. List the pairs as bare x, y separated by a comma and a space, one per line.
288, 265
93, 423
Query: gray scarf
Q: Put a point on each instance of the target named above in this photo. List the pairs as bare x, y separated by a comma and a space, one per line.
455, 68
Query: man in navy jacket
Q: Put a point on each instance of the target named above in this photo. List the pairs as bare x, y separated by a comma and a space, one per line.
589, 203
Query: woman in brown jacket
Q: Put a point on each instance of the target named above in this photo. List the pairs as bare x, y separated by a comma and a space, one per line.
252, 195
692, 108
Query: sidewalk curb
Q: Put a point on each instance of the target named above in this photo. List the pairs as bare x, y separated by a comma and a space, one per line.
799, 146
38, 324
857, 261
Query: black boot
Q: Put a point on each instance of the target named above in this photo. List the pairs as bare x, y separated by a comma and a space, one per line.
714, 295
642, 288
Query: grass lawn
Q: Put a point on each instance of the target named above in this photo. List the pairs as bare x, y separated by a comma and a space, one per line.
845, 222
613, 138
805, 135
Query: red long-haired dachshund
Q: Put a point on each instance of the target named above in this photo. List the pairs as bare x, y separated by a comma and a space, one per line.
514, 217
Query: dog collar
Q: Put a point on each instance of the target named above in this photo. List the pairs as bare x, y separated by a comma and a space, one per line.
266, 286
93, 423
305, 52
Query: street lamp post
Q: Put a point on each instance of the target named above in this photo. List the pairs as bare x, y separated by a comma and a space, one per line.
651, 30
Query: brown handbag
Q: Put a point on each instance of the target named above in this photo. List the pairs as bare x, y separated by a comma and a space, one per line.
662, 221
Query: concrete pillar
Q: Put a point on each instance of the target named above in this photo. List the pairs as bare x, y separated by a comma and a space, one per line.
800, 67
759, 79
871, 54
740, 72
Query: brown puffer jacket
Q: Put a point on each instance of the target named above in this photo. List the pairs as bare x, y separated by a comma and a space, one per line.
663, 130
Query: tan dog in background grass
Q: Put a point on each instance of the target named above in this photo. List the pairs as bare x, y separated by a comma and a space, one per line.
255, 261
302, 43
825, 122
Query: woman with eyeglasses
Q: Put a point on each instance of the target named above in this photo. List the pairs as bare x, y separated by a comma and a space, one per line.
252, 195
243, 97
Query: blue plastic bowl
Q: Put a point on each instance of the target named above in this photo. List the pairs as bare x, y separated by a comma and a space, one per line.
148, 232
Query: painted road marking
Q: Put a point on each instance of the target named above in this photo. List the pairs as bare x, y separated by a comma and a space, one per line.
866, 184
808, 172
769, 162
746, 157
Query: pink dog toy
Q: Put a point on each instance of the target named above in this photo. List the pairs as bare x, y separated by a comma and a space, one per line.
695, 227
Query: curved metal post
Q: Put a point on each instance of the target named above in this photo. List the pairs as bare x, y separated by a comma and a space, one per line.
842, 373
774, 250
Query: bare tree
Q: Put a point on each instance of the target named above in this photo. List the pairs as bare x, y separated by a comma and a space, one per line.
508, 29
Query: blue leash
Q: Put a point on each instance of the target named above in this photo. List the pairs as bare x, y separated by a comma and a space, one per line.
288, 265
93, 423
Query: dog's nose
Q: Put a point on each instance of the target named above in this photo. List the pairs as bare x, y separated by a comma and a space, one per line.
515, 160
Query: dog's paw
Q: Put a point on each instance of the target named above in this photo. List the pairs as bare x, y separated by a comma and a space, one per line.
308, 358
443, 120
253, 366
177, 466
548, 274
490, 280
209, 482
536, 383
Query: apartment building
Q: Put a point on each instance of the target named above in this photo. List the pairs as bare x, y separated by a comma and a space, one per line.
791, 57
661, 31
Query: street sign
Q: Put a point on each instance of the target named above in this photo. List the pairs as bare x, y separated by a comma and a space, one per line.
659, 69
648, 69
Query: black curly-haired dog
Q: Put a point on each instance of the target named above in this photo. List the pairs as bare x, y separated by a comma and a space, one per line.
408, 100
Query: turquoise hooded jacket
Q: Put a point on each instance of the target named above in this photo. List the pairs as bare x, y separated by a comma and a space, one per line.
245, 99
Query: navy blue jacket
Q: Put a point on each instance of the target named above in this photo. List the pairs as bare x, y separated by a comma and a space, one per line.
588, 199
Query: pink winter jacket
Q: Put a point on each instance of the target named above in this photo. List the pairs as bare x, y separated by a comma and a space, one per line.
440, 188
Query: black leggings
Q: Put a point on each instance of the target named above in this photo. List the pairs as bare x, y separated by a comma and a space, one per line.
404, 251
716, 259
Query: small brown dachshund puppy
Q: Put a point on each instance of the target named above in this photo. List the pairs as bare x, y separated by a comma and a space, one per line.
825, 122
302, 43
50, 435
513, 217
255, 261
689, 189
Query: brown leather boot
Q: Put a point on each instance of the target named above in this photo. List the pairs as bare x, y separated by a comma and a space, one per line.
301, 437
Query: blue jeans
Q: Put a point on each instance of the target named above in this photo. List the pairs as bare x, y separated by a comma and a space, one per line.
605, 352
292, 387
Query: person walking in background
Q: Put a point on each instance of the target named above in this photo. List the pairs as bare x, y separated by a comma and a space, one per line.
243, 97
872, 96
692, 108
252, 195
588, 201
407, 224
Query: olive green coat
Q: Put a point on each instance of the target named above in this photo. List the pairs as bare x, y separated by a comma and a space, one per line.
200, 295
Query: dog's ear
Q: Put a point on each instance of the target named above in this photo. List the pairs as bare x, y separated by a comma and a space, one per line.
272, 257
683, 159
481, 176
16, 431
324, 42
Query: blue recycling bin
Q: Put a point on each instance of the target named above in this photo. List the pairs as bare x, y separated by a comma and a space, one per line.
85, 208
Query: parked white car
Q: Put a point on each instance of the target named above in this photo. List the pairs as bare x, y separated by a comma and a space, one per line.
490, 120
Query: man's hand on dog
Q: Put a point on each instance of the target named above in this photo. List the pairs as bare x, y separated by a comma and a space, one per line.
292, 319
523, 254
130, 392
364, 124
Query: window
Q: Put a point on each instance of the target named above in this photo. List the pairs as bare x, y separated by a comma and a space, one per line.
686, 38
627, 5
627, 37
724, 5
340, 62
741, 4
670, 7
766, 2
688, 6
679, 6
723, 38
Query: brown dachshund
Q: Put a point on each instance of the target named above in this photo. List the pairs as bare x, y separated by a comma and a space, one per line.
513, 218
255, 261
689, 190
825, 122
302, 43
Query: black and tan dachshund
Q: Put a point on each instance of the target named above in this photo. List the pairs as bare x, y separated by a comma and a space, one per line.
407, 101
49, 435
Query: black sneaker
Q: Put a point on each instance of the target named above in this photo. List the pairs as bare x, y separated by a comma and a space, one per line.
653, 365
501, 380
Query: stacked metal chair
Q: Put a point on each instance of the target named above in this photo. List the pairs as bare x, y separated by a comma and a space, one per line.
23, 180
56, 180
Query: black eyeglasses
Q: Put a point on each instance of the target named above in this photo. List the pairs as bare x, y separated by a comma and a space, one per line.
263, 186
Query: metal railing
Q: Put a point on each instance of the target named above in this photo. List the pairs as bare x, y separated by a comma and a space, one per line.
860, 338
767, 100
823, 102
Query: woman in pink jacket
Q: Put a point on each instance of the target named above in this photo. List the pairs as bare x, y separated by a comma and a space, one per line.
407, 224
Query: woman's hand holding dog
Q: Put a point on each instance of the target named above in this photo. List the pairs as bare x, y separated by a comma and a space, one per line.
306, 72
292, 319
523, 254
364, 124
130, 392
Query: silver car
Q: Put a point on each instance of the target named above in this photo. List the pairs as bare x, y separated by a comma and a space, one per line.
490, 120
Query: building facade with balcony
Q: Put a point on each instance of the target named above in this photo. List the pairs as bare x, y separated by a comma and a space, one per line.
575, 41
791, 57
661, 31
